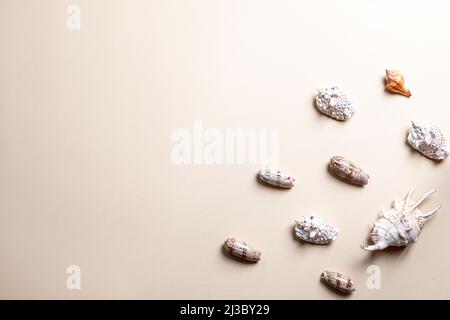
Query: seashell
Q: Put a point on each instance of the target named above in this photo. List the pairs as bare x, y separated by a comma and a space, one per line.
333, 103
316, 230
428, 140
348, 171
338, 281
400, 225
395, 83
242, 250
276, 177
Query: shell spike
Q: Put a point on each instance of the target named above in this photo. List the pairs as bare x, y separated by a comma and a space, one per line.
396, 204
429, 214
408, 196
421, 200
378, 246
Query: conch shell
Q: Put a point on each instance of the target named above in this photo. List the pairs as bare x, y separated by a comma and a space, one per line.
428, 140
395, 83
316, 230
400, 225
348, 171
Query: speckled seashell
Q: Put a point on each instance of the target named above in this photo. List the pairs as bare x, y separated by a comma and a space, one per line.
400, 225
338, 281
316, 230
348, 171
334, 103
276, 177
242, 250
428, 140
395, 83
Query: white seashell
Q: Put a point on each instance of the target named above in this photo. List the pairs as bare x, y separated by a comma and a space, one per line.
242, 250
428, 140
338, 281
333, 103
276, 177
316, 230
400, 225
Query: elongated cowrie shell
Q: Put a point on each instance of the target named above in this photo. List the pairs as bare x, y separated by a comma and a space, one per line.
348, 171
242, 250
338, 281
276, 177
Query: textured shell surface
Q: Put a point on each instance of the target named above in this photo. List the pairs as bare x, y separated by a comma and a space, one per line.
276, 177
348, 171
242, 250
316, 230
400, 225
428, 140
338, 281
395, 83
334, 103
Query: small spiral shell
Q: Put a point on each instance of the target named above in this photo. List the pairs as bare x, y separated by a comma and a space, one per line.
395, 83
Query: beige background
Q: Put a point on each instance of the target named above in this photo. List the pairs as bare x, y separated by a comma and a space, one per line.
86, 118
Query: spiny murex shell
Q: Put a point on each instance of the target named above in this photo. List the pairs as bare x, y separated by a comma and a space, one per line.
316, 230
333, 102
428, 140
338, 281
242, 250
400, 225
276, 177
348, 171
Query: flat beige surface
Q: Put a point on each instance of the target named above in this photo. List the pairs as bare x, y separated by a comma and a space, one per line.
86, 117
